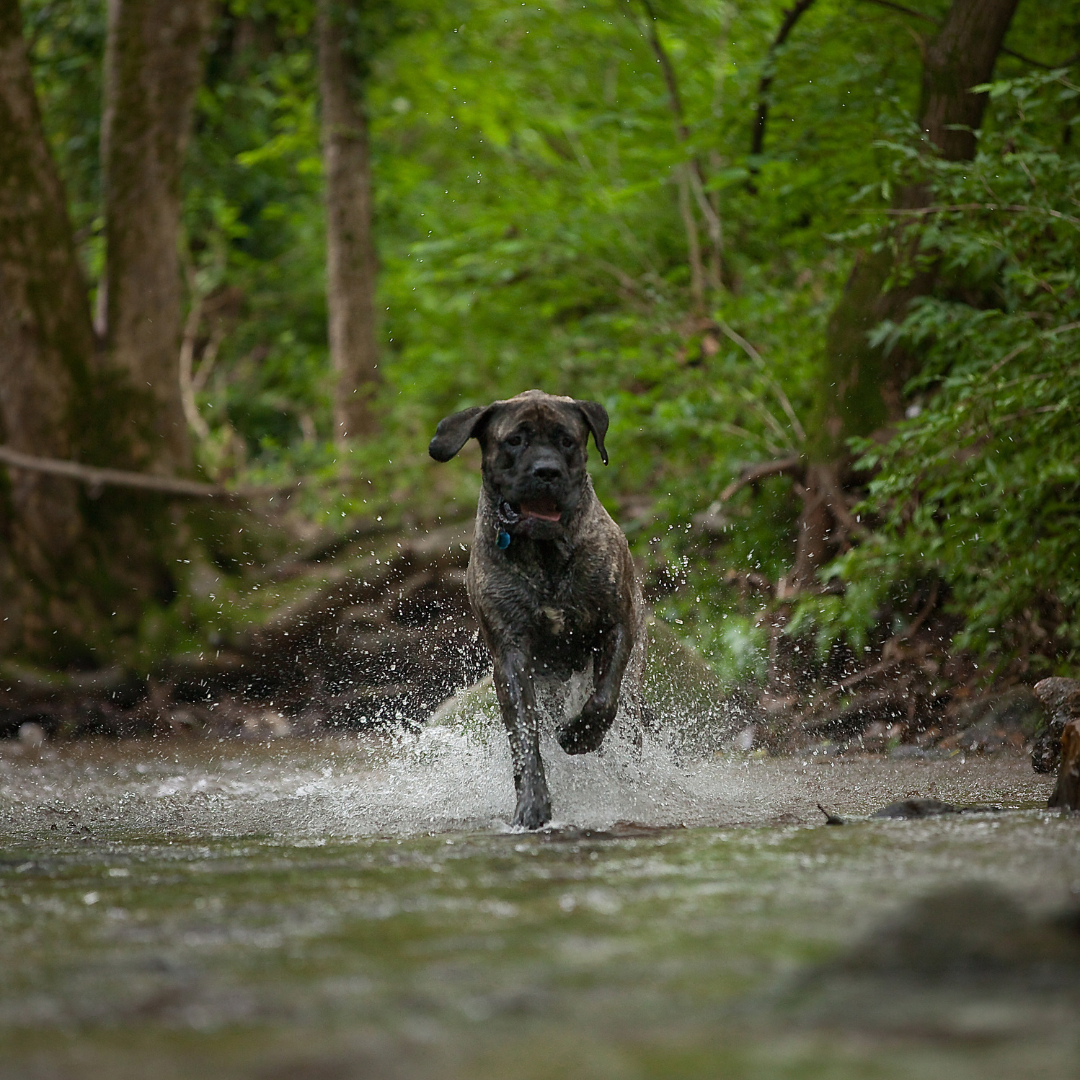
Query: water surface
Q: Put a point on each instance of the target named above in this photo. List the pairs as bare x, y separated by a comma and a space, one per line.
358, 908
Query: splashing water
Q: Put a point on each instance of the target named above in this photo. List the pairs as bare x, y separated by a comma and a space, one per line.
455, 775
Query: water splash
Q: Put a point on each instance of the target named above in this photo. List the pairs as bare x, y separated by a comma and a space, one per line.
454, 775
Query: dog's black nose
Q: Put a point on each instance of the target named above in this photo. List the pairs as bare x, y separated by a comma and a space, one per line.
547, 470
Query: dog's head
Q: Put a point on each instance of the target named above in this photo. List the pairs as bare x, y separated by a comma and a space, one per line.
534, 454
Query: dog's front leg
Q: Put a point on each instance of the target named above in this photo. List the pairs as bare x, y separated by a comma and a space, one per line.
513, 685
586, 731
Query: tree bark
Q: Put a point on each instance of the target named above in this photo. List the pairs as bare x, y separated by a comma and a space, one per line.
46, 337
862, 385
153, 65
76, 569
350, 253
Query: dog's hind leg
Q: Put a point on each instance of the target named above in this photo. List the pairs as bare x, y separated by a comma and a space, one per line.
517, 702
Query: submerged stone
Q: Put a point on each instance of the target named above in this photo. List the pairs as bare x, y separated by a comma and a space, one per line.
914, 808
971, 932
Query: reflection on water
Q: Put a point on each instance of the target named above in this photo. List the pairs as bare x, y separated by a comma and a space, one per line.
358, 908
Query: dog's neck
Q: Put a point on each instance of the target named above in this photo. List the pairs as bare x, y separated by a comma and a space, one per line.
550, 554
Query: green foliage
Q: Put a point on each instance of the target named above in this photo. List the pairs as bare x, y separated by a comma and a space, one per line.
979, 488
527, 221
528, 226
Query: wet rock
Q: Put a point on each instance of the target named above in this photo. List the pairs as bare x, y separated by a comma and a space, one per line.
910, 809
914, 808
1066, 793
745, 739
267, 724
964, 962
470, 710
680, 686
1056, 692
1060, 698
972, 932
989, 736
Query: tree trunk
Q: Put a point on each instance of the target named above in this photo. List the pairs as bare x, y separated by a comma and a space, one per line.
350, 253
153, 65
46, 343
862, 386
74, 570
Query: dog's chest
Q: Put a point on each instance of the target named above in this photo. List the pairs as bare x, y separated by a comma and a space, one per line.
557, 601
568, 605
554, 619
561, 635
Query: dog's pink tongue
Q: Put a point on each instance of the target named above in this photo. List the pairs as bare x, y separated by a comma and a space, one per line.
546, 511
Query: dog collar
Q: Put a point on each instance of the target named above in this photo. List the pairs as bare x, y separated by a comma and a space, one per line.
502, 539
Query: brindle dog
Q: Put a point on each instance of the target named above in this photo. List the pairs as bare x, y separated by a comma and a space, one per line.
550, 576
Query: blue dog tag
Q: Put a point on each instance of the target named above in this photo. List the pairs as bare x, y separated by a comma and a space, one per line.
503, 540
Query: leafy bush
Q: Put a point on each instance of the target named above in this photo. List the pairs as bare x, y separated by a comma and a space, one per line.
980, 487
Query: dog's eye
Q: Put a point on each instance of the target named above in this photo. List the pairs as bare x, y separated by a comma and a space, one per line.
515, 440
567, 442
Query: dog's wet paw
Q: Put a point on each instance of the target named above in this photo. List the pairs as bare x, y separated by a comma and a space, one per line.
532, 813
581, 735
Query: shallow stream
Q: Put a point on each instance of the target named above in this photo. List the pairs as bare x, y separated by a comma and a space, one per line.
357, 908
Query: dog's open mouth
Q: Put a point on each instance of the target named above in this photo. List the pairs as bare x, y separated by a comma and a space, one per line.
542, 509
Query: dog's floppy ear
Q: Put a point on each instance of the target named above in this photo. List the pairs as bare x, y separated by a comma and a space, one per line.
455, 431
597, 418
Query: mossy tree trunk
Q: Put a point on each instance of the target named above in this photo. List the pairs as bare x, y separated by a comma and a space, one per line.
861, 388
77, 567
350, 253
153, 67
46, 345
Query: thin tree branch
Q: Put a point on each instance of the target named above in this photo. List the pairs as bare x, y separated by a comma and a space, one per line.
751, 474
924, 614
209, 358
791, 17
1011, 207
674, 97
834, 499
630, 284
750, 436
187, 356
777, 389
1061, 329
758, 406
694, 173
1007, 357
905, 11
1023, 413
98, 477
693, 241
